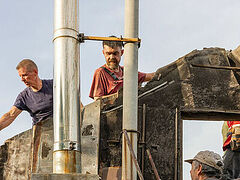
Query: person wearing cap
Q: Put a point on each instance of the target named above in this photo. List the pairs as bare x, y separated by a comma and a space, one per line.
108, 79
206, 165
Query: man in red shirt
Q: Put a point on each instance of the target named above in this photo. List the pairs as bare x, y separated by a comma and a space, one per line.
108, 79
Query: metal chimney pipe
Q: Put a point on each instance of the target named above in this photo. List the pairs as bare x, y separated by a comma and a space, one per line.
66, 153
130, 87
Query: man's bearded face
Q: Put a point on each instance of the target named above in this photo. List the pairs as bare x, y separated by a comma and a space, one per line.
112, 56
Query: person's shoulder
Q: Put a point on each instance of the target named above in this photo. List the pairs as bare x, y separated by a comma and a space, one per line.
48, 81
25, 92
100, 69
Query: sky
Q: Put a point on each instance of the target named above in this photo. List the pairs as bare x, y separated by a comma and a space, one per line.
169, 29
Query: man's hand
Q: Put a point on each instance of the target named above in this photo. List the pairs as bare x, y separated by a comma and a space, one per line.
9, 117
149, 76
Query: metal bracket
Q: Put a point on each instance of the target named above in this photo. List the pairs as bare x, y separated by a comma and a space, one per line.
116, 142
69, 145
133, 131
82, 38
72, 145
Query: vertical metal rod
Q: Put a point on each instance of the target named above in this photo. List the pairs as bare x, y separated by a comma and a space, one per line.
143, 136
153, 165
66, 152
176, 145
132, 154
130, 86
180, 145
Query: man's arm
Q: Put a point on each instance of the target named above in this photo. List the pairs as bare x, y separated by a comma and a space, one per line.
9, 117
149, 76
97, 87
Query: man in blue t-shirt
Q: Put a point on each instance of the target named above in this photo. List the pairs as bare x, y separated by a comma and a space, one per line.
37, 98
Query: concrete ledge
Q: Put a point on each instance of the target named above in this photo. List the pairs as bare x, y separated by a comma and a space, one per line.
65, 177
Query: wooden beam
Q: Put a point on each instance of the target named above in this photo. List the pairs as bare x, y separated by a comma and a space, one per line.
210, 115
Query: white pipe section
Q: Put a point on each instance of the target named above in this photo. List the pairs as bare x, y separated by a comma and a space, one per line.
130, 87
66, 87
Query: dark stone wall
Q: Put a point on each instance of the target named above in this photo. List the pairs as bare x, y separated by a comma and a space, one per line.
189, 88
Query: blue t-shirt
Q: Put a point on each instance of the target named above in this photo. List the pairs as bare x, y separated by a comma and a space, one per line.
39, 104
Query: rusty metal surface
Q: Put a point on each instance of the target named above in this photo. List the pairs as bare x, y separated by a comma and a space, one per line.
66, 161
111, 173
90, 138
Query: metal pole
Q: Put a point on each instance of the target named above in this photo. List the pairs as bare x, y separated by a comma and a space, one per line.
176, 145
66, 153
143, 136
130, 88
133, 156
153, 165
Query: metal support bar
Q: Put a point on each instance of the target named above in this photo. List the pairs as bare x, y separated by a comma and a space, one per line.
176, 145
143, 135
82, 38
153, 165
217, 67
132, 154
155, 89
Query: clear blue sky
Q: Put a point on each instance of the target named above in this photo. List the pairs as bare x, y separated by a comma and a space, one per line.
169, 29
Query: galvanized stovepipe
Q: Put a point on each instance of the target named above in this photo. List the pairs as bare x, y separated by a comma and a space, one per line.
66, 153
130, 88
